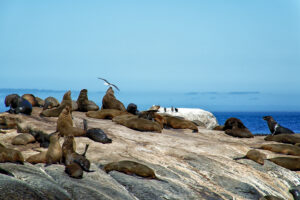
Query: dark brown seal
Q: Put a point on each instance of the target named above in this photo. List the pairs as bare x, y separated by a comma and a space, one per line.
275, 128
74, 170
50, 102
70, 156
109, 101
65, 124
235, 127
54, 152
130, 167
18, 104
291, 163
105, 113
31, 99
10, 155
254, 155
54, 112
284, 138
140, 124
282, 148
83, 101
178, 123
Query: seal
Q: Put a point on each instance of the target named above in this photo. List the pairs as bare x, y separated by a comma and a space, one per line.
148, 114
109, 101
284, 138
136, 123
23, 139
18, 104
40, 102
105, 113
37, 158
275, 128
291, 163
65, 124
31, 99
235, 127
282, 148
54, 152
132, 108
130, 167
254, 155
74, 170
54, 112
10, 155
83, 101
98, 135
178, 123
41, 137
50, 102
70, 156
92, 106
295, 192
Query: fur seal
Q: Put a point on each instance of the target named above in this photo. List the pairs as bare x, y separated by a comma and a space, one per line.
218, 128
235, 127
148, 114
275, 128
70, 156
295, 192
109, 101
18, 104
282, 148
31, 99
177, 123
136, 123
65, 124
10, 155
291, 163
98, 135
132, 108
40, 102
54, 112
50, 102
23, 139
130, 167
41, 137
254, 155
105, 113
284, 138
37, 158
83, 101
74, 170
54, 152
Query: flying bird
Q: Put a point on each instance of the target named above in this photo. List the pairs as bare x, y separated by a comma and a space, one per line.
108, 83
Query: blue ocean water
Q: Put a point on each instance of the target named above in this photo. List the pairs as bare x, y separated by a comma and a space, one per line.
253, 120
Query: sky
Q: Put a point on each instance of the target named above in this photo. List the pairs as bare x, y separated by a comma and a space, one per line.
201, 46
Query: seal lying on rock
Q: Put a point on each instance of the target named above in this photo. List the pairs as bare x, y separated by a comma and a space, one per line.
41, 137
54, 112
177, 123
18, 104
132, 108
31, 99
130, 167
10, 155
98, 135
54, 152
282, 148
37, 158
105, 113
235, 127
65, 124
140, 124
291, 163
284, 138
275, 128
23, 139
109, 101
254, 155
84, 104
50, 102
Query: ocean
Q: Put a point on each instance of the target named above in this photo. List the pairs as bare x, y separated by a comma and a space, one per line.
144, 100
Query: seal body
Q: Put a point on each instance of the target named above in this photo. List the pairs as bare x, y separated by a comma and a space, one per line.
74, 170
291, 163
50, 102
10, 155
282, 148
83, 101
105, 113
37, 158
130, 167
98, 135
54, 112
109, 101
275, 128
235, 127
31, 98
23, 139
132, 108
254, 155
18, 104
177, 123
54, 153
284, 138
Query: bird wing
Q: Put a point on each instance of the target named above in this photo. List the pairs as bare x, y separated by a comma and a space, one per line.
104, 80
115, 87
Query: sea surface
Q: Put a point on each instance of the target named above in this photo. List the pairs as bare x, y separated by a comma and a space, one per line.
144, 100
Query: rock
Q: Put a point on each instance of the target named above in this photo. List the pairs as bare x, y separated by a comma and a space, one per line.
74, 106
192, 114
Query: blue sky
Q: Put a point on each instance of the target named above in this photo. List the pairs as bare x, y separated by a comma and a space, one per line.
218, 46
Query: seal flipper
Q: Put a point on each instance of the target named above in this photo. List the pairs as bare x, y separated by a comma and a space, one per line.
85, 150
239, 158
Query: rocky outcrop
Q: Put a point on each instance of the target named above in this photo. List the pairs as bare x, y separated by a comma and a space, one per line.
187, 165
194, 114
